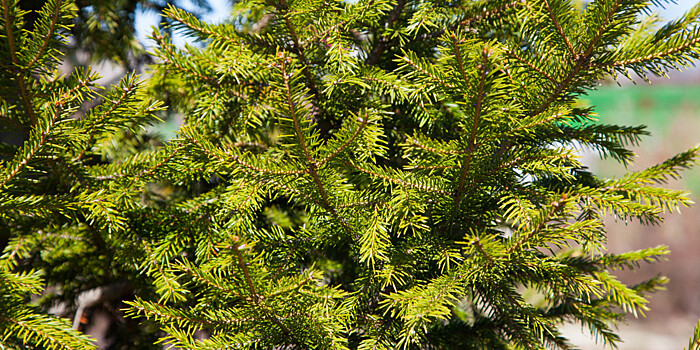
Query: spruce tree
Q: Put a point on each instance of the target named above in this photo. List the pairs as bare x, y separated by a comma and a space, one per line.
379, 174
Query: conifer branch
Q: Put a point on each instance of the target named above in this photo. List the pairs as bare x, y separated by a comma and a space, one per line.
601, 29
388, 83
257, 298
320, 35
555, 206
295, 118
312, 165
298, 49
254, 296
458, 57
291, 288
347, 143
163, 312
144, 172
160, 40
115, 104
521, 213
476, 242
422, 70
147, 172
473, 19
172, 285
582, 60
513, 164
43, 135
203, 28
294, 191
197, 275
24, 93
531, 66
237, 159
45, 330
47, 36
7, 262
22, 283
472, 146
530, 126
650, 57
560, 30
186, 70
558, 89
397, 181
350, 213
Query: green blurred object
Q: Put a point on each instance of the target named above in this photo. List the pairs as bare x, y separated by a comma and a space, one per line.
671, 112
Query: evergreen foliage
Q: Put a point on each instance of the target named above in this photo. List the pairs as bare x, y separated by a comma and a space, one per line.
364, 175
694, 342
105, 29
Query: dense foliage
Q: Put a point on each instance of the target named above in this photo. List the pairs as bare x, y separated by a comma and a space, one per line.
105, 29
375, 174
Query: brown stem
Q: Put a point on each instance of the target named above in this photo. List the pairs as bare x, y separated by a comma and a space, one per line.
241, 263
560, 30
458, 56
480, 247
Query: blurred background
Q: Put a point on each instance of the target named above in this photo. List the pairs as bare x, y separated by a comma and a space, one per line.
671, 110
